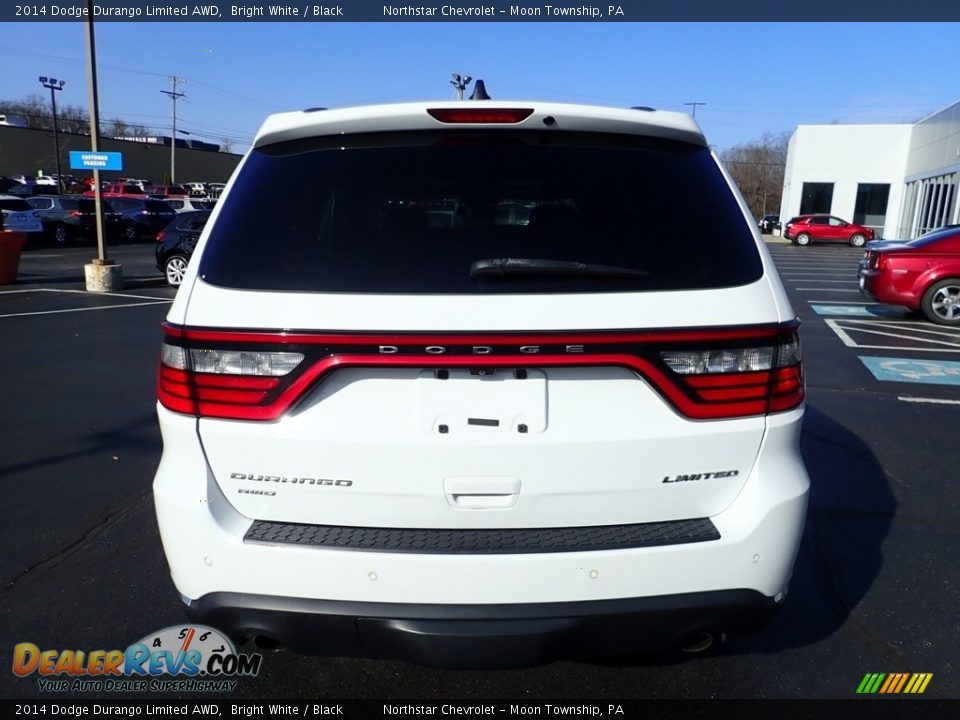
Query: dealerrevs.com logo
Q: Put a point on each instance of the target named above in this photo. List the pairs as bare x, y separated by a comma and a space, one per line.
180, 659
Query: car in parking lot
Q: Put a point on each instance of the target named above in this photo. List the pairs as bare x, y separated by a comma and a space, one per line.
769, 223
71, 217
881, 244
165, 191
140, 217
196, 188
16, 214
176, 242
353, 395
189, 204
806, 229
923, 274
120, 189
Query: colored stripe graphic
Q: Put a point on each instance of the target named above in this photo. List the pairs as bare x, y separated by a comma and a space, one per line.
894, 683
870, 683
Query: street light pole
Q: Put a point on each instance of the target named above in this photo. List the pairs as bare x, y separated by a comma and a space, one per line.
55, 85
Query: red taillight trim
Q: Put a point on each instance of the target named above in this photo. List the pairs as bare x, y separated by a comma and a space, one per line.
480, 116
699, 397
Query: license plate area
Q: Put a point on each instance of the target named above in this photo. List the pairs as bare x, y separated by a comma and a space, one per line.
464, 402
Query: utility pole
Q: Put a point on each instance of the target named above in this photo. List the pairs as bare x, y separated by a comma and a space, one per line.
174, 95
55, 85
695, 107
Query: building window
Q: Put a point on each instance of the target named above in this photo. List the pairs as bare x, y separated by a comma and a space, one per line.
817, 198
871, 207
931, 203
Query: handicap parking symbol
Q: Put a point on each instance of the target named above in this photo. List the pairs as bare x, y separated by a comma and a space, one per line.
934, 372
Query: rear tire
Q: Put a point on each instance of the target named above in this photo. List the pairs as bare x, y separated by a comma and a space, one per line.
858, 240
941, 302
130, 232
174, 269
803, 239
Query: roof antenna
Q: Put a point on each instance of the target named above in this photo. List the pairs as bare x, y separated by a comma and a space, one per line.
479, 91
460, 83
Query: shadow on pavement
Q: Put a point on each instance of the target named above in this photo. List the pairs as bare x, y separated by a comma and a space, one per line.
849, 517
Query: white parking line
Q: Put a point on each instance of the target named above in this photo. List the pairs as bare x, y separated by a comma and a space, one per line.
87, 309
862, 326
81, 292
932, 401
828, 290
848, 280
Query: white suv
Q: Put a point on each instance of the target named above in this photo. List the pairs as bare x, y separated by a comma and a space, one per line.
463, 393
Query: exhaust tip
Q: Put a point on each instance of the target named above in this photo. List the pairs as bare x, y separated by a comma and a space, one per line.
265, 642
699, 642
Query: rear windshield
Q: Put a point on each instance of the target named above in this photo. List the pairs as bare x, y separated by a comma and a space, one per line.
15, 205
192, 220
412, 212
157, 206
932, 238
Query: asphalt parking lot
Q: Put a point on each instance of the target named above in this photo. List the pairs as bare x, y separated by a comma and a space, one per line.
876, 587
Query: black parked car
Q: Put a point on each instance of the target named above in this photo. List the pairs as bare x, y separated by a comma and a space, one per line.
769, 223
70, 217
175, 244
139, 217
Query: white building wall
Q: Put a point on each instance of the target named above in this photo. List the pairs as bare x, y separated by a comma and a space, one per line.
847, 155
932, 193
935, 147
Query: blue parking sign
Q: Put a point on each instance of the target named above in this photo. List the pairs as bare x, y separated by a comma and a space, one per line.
89, 160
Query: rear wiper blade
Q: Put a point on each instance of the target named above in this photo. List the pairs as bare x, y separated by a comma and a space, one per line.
510, 267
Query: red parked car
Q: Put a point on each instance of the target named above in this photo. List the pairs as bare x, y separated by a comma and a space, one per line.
923, 274
806, 229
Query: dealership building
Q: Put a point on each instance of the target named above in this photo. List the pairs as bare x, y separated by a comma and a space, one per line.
900, 180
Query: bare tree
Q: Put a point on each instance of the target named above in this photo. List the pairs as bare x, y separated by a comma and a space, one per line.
757, 167
73, 119
226, 145
34, 109
117, 128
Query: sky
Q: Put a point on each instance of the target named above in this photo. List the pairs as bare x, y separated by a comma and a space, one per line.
753, 77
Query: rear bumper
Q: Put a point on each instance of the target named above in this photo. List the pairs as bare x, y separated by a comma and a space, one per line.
480, 608
484, 635
878, 287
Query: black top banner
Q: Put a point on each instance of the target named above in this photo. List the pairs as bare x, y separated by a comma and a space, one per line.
507, 709
478, 11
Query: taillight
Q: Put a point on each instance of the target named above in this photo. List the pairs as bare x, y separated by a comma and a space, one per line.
221, 383
703, 373
881, 261
75, 213
480, 116
732, 382
161, 235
